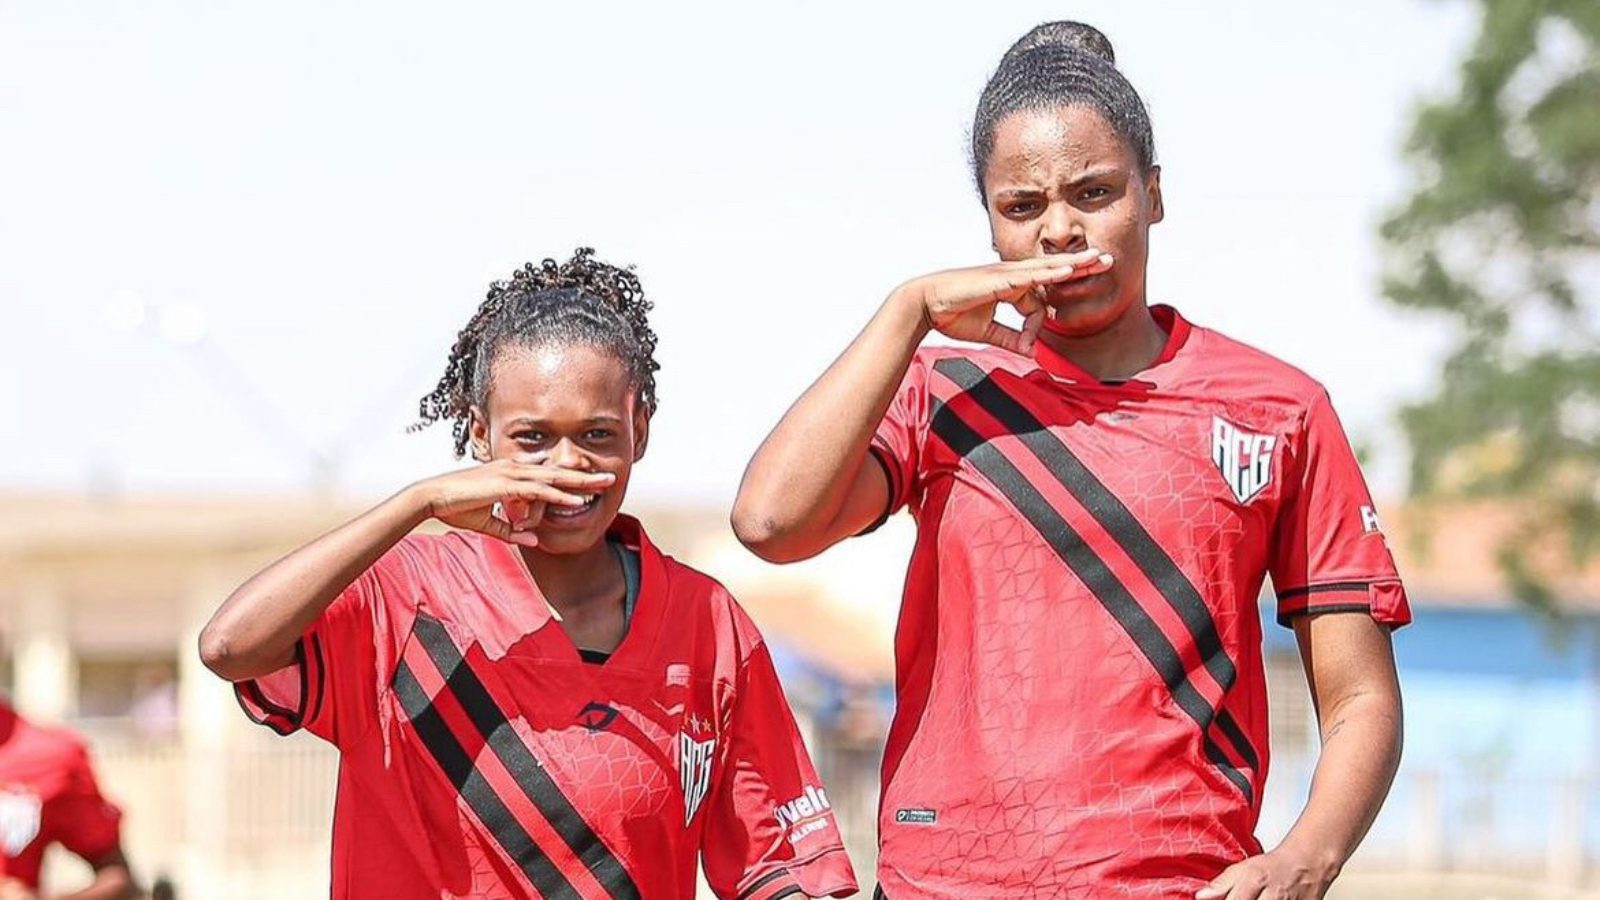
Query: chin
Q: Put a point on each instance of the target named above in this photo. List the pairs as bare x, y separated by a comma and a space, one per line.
1080, 321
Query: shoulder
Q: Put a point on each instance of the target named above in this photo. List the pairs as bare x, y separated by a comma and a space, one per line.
428, 556
702, 599
1246, 371
66, 747
951, 360
986, 358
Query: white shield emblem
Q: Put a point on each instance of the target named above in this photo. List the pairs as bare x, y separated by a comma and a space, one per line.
19, 820
694, 770
1244, 459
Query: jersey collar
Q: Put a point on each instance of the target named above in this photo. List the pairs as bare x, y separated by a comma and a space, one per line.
1167, 318
645, 628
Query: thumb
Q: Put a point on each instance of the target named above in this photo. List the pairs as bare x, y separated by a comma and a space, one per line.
1031, 327
1219, 886
1007, 338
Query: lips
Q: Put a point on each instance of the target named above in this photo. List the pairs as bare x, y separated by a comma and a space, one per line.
572, 513
1077, 288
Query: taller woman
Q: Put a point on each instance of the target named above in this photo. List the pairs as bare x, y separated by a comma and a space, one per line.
1099, 497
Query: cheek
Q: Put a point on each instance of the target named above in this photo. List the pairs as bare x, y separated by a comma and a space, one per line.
1012, 240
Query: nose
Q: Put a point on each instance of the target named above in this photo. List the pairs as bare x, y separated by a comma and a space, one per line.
566, 454
1061, 230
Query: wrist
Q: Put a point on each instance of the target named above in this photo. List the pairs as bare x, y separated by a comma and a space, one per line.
1323, 862
909, 304
415, 502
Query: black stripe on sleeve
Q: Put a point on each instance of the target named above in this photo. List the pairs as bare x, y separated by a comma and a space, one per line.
1289, 617
1118, 521
281, 719
536, 783
1093, 572
892, 479
1330, 587
459, 767
762, 882
322, 676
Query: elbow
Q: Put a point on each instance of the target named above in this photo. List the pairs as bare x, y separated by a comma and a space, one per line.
218, 653
762, 534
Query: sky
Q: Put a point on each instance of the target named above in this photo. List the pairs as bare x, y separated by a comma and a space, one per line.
237, 236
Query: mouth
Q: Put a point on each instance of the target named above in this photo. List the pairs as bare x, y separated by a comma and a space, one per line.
1076, 289
572, 514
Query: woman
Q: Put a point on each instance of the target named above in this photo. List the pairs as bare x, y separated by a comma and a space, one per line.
1099, 496
538, 704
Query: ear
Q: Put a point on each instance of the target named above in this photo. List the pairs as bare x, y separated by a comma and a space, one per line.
641, 430
478, 434
1158, 210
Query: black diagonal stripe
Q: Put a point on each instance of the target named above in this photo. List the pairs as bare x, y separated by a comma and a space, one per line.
525, 768
1092, 571
479, 794
1118, 521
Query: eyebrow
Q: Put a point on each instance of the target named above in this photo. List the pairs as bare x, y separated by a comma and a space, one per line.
522, 421
1098, 173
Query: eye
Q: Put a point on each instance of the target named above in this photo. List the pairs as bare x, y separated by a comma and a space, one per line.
530, 437
1098, 192
598, 435
1018, 209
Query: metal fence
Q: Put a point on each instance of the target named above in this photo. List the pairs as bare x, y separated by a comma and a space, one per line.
265, 833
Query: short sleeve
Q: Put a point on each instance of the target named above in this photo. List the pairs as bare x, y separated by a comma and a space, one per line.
898, 442
1329, 553
82, 820
340, 663
770, 830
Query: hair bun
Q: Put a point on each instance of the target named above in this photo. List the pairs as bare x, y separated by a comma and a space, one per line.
1065, 35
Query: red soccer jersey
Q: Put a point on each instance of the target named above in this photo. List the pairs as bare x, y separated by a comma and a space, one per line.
48, 795
1082, 708
480, 757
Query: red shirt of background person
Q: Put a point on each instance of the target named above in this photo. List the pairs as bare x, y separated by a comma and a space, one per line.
1099, 498
48, 795
540, 704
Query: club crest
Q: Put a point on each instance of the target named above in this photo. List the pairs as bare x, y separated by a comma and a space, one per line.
694, 764
19, 820
1244, 459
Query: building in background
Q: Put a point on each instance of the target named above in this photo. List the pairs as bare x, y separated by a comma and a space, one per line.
101, 603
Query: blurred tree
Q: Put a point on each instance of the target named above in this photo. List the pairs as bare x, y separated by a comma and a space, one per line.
1501, 237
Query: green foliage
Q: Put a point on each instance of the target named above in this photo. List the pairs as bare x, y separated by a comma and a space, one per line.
1500, 238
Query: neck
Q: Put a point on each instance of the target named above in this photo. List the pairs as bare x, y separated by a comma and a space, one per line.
1121, 351
571, 582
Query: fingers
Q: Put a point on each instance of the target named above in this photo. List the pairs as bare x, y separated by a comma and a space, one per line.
1017, 279
571, 479
541, 492
530, 515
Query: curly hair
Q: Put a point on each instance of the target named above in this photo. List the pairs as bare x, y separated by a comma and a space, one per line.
1060, 64
580, 301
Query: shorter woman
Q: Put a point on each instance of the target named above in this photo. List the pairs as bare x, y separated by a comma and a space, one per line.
540, 703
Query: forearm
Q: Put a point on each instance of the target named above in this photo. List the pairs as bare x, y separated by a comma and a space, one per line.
254, 632
113, 882
1360, 753
799, 479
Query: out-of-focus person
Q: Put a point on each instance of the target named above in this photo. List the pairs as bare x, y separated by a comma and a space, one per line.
48, 795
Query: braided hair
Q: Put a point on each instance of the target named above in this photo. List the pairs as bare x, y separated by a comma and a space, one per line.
1060, 64
580, 301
